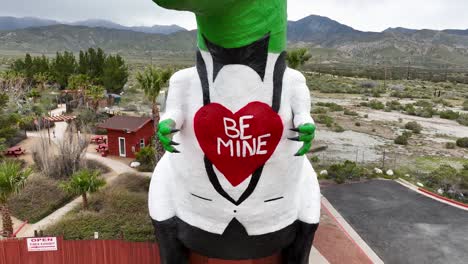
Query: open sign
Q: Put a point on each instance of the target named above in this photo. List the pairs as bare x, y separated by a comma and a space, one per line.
42, 244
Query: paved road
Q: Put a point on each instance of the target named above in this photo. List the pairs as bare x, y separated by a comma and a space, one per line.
400, 225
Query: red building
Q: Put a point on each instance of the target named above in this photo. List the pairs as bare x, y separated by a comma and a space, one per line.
126, 135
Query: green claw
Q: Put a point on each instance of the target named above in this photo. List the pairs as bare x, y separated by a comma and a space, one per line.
305, 149
306, 138
165, 129
165, 140
307, 128
166, 126
306, 135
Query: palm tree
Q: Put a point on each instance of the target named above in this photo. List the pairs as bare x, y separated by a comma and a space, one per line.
12, 180
83, 182
95, 94
297, 58
151, 81
34, 94
41, 79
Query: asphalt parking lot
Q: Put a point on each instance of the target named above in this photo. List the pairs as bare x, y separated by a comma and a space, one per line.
400, 225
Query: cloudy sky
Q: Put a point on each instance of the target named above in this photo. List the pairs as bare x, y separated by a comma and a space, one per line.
367, 15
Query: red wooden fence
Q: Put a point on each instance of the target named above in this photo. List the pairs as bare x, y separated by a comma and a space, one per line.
100, 252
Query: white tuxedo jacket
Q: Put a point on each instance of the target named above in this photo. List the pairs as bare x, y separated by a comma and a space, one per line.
287, 190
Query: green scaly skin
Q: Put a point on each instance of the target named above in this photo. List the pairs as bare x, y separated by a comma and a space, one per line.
306, 135
165, 130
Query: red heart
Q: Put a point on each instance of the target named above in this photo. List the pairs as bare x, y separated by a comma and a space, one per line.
238, 144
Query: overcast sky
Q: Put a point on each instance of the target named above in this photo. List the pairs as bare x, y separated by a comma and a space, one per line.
367, 15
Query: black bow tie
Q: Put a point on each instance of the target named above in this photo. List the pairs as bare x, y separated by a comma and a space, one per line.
254, 55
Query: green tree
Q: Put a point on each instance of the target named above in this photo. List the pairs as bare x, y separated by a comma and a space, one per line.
40, 65
62, 67
115, 74
79, 82
151, 81
41, 79
12, 180
28, 66
91, 63
34, 94
8, 121
147, 158
465, 105
83, 182
297, 58
95, 94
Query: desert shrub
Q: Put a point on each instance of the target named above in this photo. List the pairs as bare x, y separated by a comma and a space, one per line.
315, 159
403, 139
444, 177
118, 208
426, 112
348, 170
442, 102
325, 119
40, 197
368, 84
423, 103
397, 87
449, 114
357, 124
350, 112
147, 158
393, 105
331, 106
462, 142
463, 119
465, 105
450, 145
377, 105
132, 182
414, 126
465, 166
409, 109
319, 110
338, 129
96, 165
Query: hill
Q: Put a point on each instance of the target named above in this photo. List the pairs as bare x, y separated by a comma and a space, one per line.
74, 38
328, 40
156, 29
14, 23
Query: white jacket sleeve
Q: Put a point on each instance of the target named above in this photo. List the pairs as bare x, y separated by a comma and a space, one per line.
300, 99
175, 102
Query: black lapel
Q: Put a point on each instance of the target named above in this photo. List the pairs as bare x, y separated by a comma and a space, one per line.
254, 55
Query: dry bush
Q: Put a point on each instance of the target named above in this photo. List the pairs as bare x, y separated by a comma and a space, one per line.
61, 159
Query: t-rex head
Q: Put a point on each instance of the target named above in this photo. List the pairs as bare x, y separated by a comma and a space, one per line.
236, 23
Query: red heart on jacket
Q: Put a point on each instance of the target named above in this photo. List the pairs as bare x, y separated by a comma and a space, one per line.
240, 143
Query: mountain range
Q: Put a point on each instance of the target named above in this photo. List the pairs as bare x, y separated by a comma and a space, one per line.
14, 23
327, 39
